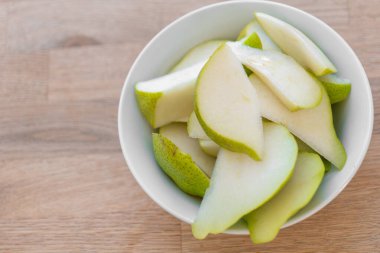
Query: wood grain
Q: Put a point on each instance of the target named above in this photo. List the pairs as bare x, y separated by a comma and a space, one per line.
23, 78
72, 71
64, 185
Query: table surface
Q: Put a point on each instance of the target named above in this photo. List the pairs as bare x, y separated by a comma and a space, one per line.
64, 185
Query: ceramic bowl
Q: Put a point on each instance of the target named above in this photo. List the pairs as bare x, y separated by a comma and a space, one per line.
353, 118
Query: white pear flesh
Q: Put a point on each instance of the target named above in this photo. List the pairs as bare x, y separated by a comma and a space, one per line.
240, 184
198, 54
226, 105
296, 44
265, 222
177, 134
168, 98
183, 120
291, 83
254, 27
195, 129
313, 126
209, 147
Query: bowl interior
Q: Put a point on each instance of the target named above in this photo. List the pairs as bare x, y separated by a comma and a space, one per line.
353, 118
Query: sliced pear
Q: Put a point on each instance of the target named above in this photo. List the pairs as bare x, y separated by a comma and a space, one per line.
179, 167
195, 129
240, 184
181, 158
253, 41
291, 83
246, 31
296, 44
198, 54
337, 88
313, 126
254, 27
209, 147
182, 120
172, 93
265, 222
226, 105
327, 165
177, 134
303, 147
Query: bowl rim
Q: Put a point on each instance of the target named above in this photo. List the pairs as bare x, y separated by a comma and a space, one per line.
361, 71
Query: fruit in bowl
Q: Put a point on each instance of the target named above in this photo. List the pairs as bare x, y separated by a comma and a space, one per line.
246, 126
256, 160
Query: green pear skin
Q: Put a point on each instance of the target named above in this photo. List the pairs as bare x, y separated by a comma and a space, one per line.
303, 147
296, 44
337, 88
313, 126
240, 184
291, 83
147, 103
225, 101
177, 133
172, 93
179, 166
253, 41
265, 222
254, 27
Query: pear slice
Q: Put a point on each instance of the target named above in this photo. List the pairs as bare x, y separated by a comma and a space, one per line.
195, 129
182, 120
291, 83
226, 105
209, 147
313, 126
197, 54
172, 93
337, 88
253, 40
296, 44
177, 133
254, 27
265, 222
303, 147
179, 166
181, 158
240, 184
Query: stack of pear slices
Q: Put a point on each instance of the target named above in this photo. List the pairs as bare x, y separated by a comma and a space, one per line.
247, 126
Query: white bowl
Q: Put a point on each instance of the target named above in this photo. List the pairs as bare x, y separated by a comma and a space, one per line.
353, 118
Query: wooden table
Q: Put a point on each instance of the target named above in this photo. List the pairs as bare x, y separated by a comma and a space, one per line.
64, 185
